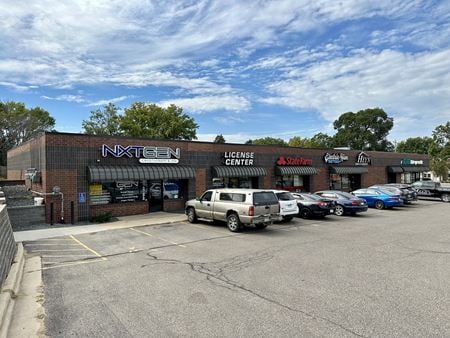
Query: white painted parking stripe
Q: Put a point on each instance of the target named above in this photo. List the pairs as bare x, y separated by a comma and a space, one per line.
162, 239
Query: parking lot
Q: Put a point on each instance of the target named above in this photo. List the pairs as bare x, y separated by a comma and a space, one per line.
381, 273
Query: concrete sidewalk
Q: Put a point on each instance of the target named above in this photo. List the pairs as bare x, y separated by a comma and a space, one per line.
121, 222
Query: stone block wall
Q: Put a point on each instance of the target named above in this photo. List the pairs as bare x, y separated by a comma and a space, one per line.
8, 245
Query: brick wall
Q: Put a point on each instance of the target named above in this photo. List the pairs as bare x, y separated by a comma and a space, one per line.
120, 209
8, 246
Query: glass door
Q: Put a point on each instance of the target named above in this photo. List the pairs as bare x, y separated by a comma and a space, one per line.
155, 198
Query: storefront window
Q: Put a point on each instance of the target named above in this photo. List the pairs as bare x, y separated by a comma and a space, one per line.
235, 182
409, 178
116, 192
294, 183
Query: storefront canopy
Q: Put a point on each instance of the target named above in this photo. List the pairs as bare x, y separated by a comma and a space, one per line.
398, 169
349, 170
238, 171
295, 170
416, 169
113, 173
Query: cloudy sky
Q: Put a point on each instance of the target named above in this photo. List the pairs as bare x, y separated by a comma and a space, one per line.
244, 69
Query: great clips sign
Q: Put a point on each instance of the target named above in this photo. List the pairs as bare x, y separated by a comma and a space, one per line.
300, 161
145, 154
335, 157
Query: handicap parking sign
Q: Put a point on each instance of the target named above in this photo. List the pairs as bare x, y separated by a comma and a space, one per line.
82, 197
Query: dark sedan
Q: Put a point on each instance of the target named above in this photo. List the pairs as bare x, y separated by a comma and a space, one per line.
313, 205
346, 203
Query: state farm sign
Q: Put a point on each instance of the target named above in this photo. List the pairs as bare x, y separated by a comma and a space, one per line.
283, 161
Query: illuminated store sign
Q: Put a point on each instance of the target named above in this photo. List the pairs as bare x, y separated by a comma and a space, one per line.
362, 159
282, 161
335, 157
238, 158
144, 154
407, 161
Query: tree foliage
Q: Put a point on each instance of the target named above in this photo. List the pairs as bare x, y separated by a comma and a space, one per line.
269, 141
297, 141
219, 139
365, 130
104, 121
149, 120
19, 124
418, 145
440, 151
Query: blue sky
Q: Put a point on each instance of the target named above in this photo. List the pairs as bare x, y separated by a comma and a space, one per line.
242, 69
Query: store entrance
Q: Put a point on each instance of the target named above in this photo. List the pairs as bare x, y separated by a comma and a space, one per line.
392, 178
155, 195
354, 181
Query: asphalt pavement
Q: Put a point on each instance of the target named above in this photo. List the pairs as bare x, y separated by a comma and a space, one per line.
381, 273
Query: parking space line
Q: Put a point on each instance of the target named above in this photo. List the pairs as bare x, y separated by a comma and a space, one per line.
56, 265
65, 256
162, 239
87, 248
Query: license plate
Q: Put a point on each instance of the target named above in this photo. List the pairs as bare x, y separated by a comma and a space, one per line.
331, 211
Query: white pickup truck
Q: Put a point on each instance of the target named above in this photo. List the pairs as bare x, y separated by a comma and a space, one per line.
236, 207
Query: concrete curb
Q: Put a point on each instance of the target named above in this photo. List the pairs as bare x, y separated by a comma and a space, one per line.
10, 290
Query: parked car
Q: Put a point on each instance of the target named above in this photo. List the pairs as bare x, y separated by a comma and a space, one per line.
378, 198
170, 191
313, 205
236, 207
404, 194
407, 187
288, 204
432, 189
345, 203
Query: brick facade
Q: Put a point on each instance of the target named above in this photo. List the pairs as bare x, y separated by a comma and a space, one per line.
62, 160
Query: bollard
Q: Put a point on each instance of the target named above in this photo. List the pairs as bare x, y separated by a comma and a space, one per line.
72, 211
51, 213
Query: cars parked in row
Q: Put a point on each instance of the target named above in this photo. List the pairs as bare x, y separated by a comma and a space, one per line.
288, 204
405, 195
378, 198
313, 205
345, 203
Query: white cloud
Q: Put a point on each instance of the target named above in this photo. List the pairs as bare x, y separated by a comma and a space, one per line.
407, 85
210, 103
113, 100
66, 98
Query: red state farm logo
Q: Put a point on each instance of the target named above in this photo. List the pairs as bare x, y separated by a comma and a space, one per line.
281, 161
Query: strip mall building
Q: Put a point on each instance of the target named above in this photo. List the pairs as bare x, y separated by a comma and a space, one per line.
126, 176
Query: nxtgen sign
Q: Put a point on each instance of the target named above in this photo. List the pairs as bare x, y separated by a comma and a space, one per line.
335, 157
145, 154
293, 161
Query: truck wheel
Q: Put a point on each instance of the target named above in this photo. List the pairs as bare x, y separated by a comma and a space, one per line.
445, 197
379, 205
233, 223
192, 217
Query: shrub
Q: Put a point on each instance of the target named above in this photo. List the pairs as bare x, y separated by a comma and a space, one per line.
102, 218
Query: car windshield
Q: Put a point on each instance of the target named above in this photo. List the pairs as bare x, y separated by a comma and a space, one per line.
346, 195
312, 197
285, 196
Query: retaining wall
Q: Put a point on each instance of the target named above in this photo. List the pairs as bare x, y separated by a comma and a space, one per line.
24, 218
8, 245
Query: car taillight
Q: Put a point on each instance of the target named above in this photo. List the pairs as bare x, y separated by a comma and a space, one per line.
356, 202
322, 204
251, 211
393, 198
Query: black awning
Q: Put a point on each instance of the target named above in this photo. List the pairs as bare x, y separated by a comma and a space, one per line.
238, 171
295, 170
113, 173
415, 169
349, 170
395, 169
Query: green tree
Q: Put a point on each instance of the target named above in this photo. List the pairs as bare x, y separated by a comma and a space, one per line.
321, 140
219, 139
150, 120
439, 151
297, 141
418, 145
19, 124
365, 130
269, 141
104, 121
